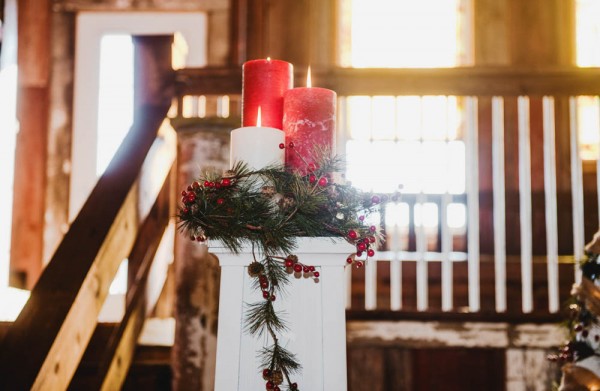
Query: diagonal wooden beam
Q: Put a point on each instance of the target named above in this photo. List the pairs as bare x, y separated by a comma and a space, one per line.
44, 346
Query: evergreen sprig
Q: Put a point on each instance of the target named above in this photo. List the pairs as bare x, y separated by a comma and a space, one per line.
269, 209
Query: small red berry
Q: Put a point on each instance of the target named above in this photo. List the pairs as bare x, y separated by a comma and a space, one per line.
352, 234
206, 183
361, 218
311, 268
184, 193
306, 269
191, 197
281, 145
361, 247
226, 182
371, 252
359, 253
317, 274
193, 238
270, 385
312, 167
289, 263
297, 268
359, 264
371, 239
323, 181
201, 238
186, 210
220, 201
578, 327
291, 144
195, 185
265, 294
312, 179
294, 386
372, 228
375, 199
211, 184
266, 373
272, 297
349, 260
189, 188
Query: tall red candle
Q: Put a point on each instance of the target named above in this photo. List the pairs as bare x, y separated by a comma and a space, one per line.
263, 84
308, 122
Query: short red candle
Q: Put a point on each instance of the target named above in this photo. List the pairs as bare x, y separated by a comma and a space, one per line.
308, 122
263, 84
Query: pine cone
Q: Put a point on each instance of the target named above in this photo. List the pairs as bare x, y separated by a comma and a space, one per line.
277, 377
255, 269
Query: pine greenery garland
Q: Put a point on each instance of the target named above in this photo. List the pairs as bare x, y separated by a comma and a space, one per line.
270, 208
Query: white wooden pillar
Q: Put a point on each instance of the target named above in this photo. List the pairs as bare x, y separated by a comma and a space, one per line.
313, 310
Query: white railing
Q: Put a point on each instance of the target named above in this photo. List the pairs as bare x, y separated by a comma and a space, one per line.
448, 257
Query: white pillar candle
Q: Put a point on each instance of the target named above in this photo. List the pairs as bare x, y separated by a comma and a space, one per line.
257, 146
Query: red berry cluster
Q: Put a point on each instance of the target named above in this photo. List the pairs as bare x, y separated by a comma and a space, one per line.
363, 244
264, 287
293, 265
195, 191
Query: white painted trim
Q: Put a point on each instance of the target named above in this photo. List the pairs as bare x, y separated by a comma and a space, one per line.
90, 28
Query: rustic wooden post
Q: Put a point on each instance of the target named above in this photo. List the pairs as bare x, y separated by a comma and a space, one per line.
27, 241
196, 272
314, 313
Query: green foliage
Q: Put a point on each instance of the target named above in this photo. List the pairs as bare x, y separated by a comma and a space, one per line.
269, 209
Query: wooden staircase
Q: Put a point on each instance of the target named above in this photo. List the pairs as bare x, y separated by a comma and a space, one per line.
125, 216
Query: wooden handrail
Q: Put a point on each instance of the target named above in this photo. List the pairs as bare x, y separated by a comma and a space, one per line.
463, 81
62, 312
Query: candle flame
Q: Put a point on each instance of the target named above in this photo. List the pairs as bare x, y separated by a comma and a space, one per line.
258, 119
308, 79
268, 58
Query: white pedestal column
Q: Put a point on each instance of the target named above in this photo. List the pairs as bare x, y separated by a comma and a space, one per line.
314, 313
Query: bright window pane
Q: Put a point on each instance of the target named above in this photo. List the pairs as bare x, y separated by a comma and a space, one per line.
396, 214
358, 116
588, 33
384, 113
426, 214
115, 107
408, 117
457, 216
402, 33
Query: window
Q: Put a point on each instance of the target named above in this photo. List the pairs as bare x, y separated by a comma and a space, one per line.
588, 55
412, 141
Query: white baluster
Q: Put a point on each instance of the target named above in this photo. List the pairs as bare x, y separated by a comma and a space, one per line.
576, 189
499, 202
421, 239
472, 168
525, 204
446, 247
550, 197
